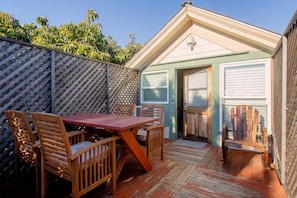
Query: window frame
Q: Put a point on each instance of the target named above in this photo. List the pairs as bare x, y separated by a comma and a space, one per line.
154, 87
250, 100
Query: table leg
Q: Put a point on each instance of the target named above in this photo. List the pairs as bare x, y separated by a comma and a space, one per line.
121, 162
130, 140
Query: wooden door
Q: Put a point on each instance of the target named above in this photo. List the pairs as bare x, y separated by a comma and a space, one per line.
197, 103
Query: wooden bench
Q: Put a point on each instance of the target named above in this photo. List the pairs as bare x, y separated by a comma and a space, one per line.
245, 134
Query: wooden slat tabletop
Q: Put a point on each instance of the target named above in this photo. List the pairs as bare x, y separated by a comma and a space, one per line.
107, 121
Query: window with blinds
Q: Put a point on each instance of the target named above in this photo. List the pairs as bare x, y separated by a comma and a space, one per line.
154, 87
245, 83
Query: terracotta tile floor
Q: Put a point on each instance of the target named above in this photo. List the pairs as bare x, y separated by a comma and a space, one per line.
185, 172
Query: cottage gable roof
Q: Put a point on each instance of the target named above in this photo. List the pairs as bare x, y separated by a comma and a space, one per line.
212, 34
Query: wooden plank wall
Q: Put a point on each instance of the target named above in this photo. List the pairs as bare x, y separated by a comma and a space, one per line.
34, 78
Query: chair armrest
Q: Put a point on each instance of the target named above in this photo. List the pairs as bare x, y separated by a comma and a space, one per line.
75, 133
155, 132
151, 128
35, 134
37, 144
93, 146
225, 132
36, 140
146, 126
265, 138
154, 127
265, 144
76, 136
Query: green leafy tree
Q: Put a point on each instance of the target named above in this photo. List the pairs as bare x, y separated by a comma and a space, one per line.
42, 21
132, 47
84, 39
11, 28
30, 29
44, 35
121, 55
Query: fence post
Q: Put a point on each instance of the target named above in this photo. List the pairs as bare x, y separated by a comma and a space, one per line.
53, 81
107, 88
284, 111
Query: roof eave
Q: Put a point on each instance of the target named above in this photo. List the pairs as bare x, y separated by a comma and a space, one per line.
252, 35
147, 52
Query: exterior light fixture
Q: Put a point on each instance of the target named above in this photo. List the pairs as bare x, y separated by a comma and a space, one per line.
191, 43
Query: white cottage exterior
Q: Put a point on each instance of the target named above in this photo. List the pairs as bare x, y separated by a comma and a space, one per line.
199, 65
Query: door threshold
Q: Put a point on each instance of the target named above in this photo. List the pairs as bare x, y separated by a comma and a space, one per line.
195, 138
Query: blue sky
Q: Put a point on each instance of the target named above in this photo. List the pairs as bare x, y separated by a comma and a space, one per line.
145, 18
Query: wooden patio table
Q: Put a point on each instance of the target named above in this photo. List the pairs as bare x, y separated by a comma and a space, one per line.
125, 126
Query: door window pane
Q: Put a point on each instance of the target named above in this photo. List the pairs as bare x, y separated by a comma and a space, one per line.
197, 89
198, 98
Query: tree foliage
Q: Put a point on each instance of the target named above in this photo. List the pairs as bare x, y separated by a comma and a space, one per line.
11, 28
85, 38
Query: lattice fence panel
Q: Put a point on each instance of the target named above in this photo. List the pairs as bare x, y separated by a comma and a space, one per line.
80, 85
123, 87
291, 141
38, 79
26, 86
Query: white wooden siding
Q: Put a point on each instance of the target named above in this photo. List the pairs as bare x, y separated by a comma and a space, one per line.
203, 48
208, 44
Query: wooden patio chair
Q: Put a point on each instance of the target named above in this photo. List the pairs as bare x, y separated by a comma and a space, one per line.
245, 134
85, 164
155, 140
26, 144
125, 109
152, 134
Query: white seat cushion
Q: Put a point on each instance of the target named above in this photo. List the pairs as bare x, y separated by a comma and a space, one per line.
141, 134
79, 146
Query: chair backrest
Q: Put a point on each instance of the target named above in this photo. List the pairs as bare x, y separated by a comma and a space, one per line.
24, 138
245, 120
156, 111
126, 109
55, 145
